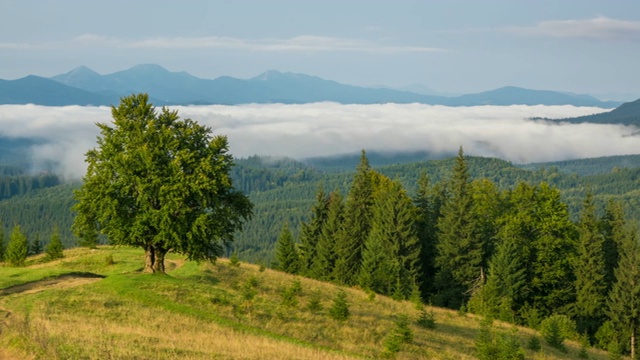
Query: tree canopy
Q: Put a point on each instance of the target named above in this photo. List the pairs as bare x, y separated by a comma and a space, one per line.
162, 183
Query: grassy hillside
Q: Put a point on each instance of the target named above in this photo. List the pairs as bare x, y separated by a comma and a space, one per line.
97, 305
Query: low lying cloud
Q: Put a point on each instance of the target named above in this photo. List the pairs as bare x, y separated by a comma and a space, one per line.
319, 129
600, 28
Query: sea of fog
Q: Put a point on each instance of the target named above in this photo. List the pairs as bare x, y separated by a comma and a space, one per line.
319, 129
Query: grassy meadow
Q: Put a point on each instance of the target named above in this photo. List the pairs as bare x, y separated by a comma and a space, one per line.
63, 310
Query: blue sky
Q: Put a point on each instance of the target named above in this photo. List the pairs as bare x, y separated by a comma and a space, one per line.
582, 46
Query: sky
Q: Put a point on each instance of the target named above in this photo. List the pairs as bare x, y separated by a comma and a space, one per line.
451, 47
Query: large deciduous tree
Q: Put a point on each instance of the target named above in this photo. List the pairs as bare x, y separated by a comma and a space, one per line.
162, 183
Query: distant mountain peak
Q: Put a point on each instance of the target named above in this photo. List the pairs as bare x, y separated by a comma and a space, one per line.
148, 68
82, 70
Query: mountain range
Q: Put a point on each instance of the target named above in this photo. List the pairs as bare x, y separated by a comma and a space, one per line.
83, 86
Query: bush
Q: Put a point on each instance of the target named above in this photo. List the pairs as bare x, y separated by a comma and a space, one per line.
290, 294
315, 305
556, 328
491, 346
605, 335
234, 260
427, 319
534, 344
55, 247
401, 334
340, 308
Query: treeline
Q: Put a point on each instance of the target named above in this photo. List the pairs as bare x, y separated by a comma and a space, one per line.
513, 254
13, 182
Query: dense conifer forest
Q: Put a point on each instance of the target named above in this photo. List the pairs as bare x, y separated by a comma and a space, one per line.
516, 243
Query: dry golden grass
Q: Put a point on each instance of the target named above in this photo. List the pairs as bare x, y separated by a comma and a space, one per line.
217, 311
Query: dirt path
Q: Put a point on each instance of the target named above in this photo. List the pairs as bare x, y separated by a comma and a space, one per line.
60, 282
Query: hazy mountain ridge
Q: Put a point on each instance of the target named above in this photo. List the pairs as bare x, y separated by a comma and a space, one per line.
181, 88
626, 114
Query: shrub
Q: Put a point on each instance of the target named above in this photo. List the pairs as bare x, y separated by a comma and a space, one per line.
556, 328
17, 249
492, 346
427, 319
315, 305
234, 260
340, 308
534, 344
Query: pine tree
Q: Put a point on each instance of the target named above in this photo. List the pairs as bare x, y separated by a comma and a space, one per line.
324, 263
590, 271
17, 249
506, 282
624, 297
35, 247
55, 247
613, 229
311, 232
286, 252
460, 250
428, 202
357, 222
391, 259
3, 246
340, 308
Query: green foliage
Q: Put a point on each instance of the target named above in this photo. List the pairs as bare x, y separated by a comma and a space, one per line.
590, 271
35, 246
357, 224
534, 343
234, 261
493, 346
290, 294
315, 302
460, 248
584, 345
556, 328
286, 252
55, 247
324, 262
427, 319
158, 182
3, 245
17, 249
401, 334
605, 335
340, 308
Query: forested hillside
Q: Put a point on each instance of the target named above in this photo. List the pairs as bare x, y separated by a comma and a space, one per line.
283, 190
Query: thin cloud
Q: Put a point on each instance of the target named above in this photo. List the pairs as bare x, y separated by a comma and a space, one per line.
598, 28
305, 43
320, 129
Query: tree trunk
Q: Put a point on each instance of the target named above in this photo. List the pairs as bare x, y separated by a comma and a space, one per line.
158, 265
149, 259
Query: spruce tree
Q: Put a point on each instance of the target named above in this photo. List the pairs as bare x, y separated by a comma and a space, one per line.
428, 202
324, 263
35, 246
391, 259
357, 222
55, 247
506, 282
624, 297
613, 229
340, 308
460, 250
286, 252
311, 232
17, 249
590, 271
3, 246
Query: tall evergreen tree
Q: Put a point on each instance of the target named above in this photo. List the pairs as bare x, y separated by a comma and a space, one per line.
312, 230
590, 271
460, 250
624, 298
55, 247
286, 252
506, 282
18, 248
391, 259
357, 222
613, 228
428, 202
324, 263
